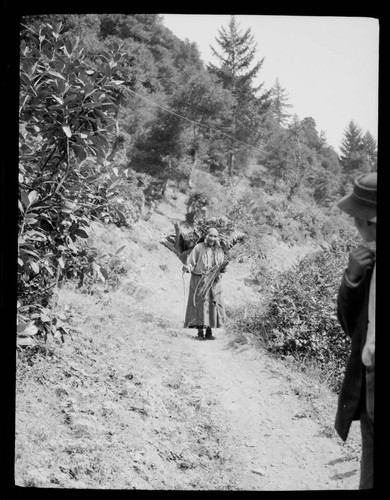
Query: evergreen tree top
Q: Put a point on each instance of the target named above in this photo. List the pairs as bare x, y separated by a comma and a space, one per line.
238, 50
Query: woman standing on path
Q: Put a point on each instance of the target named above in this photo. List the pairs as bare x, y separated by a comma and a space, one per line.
205, 312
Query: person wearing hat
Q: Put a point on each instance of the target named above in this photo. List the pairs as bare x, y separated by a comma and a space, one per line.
205, 312
356, 314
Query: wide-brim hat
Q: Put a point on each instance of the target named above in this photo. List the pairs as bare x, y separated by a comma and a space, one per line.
361, 203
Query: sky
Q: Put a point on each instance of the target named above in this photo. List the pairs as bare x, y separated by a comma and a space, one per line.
328, 66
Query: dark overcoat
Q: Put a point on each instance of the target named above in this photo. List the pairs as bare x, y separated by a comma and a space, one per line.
352, 312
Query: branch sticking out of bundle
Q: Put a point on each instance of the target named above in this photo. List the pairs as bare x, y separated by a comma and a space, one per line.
180, 243
239, 252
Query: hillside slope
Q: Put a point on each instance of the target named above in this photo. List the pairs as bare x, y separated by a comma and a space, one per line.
134, 401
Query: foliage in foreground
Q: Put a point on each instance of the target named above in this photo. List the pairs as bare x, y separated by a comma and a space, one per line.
67, 123
300, 314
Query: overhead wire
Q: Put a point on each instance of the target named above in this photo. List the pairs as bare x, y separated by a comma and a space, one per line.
208, 126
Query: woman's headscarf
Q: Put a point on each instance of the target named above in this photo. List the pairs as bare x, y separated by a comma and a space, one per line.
214, 232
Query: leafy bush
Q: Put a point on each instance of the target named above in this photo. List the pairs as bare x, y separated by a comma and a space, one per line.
120, 202
196, 206
295, 221
300, 314
39, 321
211, 199
90, 267
67, 116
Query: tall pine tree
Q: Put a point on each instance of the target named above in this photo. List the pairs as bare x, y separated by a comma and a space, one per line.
352, 154
280, 104
237, 71
370, 151
238, 52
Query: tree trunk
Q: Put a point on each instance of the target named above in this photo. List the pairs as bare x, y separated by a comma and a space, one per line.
164, 188
194, 163
231, 164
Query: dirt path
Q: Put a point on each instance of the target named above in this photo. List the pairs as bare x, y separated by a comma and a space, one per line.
137, 402
277, 443
270, 433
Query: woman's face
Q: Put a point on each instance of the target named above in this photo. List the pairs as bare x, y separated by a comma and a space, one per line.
211, 239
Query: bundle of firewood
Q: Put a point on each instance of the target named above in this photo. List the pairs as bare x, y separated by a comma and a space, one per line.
181, 243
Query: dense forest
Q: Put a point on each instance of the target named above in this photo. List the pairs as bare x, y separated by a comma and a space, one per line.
113, 107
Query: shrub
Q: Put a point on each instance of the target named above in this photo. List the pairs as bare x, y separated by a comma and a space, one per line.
196, 206
67, 117
122, 200
300, 312
242, 206
296, 221
92, 266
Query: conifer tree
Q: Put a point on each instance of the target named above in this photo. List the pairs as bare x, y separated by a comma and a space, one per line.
351, 158
238, 53
351, 144
279, 103
237, 71
370, 151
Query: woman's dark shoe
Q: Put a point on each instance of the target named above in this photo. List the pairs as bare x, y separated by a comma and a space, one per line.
200, 335
209, 334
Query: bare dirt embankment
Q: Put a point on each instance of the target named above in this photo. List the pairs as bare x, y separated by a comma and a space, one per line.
134, 401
